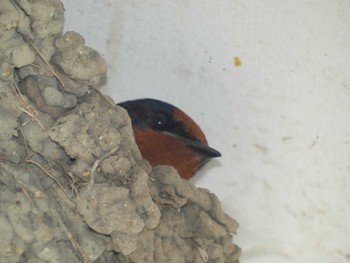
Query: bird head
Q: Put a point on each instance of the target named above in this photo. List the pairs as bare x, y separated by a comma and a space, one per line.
167, 135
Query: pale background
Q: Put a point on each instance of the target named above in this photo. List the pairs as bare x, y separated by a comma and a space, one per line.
281, 120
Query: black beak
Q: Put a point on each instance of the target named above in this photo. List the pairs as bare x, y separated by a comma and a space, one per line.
204, 150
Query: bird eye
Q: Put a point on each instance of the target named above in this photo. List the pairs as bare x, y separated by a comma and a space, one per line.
159, 119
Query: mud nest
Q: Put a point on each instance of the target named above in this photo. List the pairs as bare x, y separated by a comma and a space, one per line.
73, 184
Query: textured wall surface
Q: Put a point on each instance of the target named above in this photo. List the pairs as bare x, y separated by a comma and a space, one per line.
280, 120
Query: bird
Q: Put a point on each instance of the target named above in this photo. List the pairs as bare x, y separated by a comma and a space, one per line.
166, 135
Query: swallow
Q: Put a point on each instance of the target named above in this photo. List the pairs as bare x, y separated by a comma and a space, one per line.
166, 135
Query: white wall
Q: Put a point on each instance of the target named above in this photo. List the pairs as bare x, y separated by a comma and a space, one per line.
281, 120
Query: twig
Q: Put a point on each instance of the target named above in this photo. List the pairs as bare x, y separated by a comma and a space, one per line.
71, 176
103, 96
199, 250
46, 62
74, 243
28, 156
94, 167
203, 254
51, 176
27, 108
23, 186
